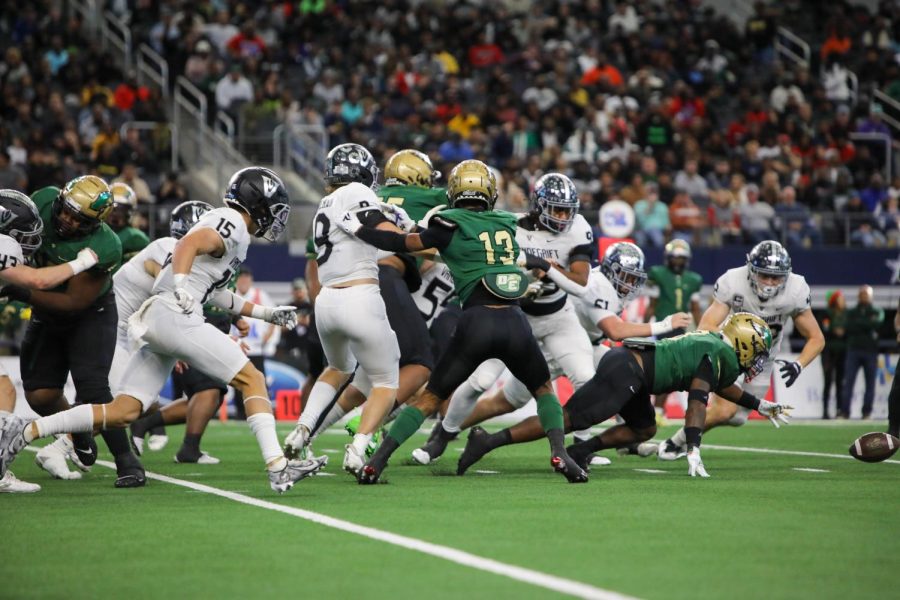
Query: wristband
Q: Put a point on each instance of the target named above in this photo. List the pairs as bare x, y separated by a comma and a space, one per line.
660, 327
748, 400
179, 279
692, 436
260, 312
699, 395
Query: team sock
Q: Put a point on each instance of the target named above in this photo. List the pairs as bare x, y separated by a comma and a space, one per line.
191, 443
333, 416
679, 439
79, 419
263, 427
360, 442
462, 402
82, 440
407, 423
117, 442
894, 414
320, 397
589, 446
549, 412
148, 423
500, 438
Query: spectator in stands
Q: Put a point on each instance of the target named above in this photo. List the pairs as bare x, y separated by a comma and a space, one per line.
863, 322
838, 43
795, 222
690, 182
723, 218
836, 81
541, 94
329, 90
834, 356
246, 44
651, 219
232, 89
455, 149
685, 217
759, 31
786, 93
875, 193
172, 192
624, 21
756, 217
11, 176
603, 74
57, 56
220, 31
861, 222
130, 176
888, 217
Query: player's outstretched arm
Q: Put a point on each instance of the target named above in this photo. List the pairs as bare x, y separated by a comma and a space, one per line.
808, 327
773, 410
384, 237
714, 316
616, 329
46, 278
81, 292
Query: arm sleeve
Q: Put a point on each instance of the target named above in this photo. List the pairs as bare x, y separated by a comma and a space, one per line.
566, 284
582, 252
227, 301
383, 240
439, 233
371, 218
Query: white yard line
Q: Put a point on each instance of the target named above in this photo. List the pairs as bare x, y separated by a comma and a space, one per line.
785, 452
536, 578
808, 470
652, 471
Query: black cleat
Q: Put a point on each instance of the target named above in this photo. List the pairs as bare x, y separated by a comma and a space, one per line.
582, 459
85, 448
368, 475
476, 447
129, 472
371, 471
569, 468
435, 447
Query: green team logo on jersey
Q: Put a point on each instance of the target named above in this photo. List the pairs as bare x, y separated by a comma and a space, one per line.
508, 286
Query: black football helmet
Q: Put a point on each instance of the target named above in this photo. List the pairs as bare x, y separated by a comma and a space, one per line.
623, 266
260, 193
185, 215
771, 260
348, 163
19, 219
678, 256
555, 202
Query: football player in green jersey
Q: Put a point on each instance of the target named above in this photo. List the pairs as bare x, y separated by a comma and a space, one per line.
699, 362
124, 202
478, 244
73, 329
672, 289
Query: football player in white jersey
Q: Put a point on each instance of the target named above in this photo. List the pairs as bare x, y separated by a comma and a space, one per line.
765, 287
20, 236
169, 327
552, 231
350, 313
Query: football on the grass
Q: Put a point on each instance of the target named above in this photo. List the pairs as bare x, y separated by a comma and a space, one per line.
874, 447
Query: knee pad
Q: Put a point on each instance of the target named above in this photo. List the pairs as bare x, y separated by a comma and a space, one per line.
740, 417
485, 376
391, 380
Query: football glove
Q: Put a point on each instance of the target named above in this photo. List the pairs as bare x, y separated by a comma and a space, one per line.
283, 316
349, 223
184, 300
85, 259
776, 412
790, 371
695, 463
397, 216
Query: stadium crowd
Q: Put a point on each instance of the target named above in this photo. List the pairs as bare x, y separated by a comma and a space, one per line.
637, 101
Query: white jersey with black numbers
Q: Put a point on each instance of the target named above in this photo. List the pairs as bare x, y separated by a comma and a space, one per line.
597, 303
341, 256
733, 289
435, 292
556, 247
11, 254
132, 284
208, 272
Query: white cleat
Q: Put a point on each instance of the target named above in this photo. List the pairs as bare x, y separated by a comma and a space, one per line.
10, 484
295, 470
421, 457
600, 461
11, 440
353, 461
296, 442
669, 451
52, 458
157, 442
646, 449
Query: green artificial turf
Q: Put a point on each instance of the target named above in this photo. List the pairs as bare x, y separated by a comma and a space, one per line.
757, 529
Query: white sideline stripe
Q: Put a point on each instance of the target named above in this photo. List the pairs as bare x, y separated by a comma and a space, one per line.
652, 471
786, 452
808, 470
536, 578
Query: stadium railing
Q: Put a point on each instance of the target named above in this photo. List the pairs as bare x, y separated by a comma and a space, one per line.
152, 68
792, 47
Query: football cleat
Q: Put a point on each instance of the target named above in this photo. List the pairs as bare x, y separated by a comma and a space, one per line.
10, 484
476, 447
11, 440
581, 458
81, 449
669, 451
600, 461
645, 449
295, 470
129, 472
203, 459
353, 462
296, 442
435, 447
52, 458
352, 428
569, 469
157, 442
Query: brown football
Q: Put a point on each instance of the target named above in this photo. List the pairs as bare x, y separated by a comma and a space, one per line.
874, 447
